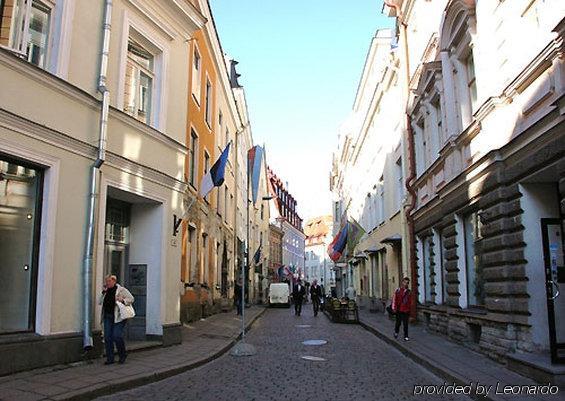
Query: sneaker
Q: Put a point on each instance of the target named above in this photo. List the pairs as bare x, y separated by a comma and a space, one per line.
406, 339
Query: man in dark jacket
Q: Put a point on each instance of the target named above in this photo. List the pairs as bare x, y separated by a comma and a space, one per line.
316, 295
298, 292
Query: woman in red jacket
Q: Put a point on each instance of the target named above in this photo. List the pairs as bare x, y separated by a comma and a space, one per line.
401, 307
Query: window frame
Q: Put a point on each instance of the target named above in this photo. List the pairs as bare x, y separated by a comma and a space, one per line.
193, 158
196, 74
140, 69
208, 99
23, 27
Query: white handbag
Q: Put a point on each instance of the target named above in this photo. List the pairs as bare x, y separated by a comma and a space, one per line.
126, 311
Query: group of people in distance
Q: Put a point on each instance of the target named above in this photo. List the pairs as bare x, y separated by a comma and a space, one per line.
299, 293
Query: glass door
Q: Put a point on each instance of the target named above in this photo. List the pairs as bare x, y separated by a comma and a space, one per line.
552, 235
20, 209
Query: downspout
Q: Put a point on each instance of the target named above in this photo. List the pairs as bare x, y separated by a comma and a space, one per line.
95, 179
411, 164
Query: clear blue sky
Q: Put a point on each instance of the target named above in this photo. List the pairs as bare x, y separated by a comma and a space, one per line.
300, 62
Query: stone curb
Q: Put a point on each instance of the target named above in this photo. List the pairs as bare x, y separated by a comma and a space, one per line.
118, 385
437, 369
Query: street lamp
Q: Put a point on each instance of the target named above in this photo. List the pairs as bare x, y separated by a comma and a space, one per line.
242, 348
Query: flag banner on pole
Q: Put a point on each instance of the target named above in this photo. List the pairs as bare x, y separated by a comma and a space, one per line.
257, 256
337, 246
215, 177
354, 235
254, 164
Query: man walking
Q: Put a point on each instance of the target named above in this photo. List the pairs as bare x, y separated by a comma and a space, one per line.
316, 295
401, 302
298, 293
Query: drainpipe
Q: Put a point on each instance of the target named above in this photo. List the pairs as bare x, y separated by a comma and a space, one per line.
95, 179
411, 162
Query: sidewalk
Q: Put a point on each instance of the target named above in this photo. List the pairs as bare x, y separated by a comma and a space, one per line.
203, 341
452, 362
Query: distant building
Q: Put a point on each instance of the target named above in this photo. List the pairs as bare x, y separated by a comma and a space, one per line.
318, 266
285, 216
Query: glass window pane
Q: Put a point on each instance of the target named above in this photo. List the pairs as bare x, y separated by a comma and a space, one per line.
145, 85
38, 34
19, 198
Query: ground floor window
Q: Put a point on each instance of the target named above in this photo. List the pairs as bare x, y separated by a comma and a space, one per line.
20, 209
473, 268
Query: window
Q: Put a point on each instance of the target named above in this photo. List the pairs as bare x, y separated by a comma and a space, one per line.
196, 75
420, 144
20, 210
473, 270
471, 81
206, 169
205, 254
220, 200
193, 154
262, 211
428, 267
226, 205
138, 92
228, 139
399, 182
381, 201
25, 27
192, 253
208, 105
220, 118
440, 271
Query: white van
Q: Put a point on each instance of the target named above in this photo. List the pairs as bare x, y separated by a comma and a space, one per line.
279, 295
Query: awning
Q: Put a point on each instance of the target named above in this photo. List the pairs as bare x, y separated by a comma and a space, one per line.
360, 255
392, 240
371, 250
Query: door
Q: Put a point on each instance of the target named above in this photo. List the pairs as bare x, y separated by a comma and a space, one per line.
136, 283
552, 238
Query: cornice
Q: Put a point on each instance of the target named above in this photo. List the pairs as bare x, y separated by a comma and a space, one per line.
47, 79
148, 130
66, 142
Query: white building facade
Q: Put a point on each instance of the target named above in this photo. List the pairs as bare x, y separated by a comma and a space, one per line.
318, 266
487, 140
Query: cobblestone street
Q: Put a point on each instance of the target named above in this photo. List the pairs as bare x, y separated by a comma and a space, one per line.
357, 366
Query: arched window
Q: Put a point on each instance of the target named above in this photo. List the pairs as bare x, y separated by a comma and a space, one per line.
458, 61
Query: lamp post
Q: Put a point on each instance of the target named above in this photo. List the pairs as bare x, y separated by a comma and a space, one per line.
242, 348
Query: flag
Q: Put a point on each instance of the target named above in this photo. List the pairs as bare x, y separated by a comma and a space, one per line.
254, 164
355, 234
215, 177
336, 248
257, 256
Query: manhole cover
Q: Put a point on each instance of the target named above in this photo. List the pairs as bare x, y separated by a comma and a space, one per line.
303, 326
313, 358
314, 342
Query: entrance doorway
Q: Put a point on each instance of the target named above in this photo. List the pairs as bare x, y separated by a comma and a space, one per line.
116, 262
552, 240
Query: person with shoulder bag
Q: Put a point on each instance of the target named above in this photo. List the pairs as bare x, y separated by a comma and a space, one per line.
401, 302
117, 308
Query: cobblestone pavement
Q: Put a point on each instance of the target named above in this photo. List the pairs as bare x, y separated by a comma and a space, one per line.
357, 366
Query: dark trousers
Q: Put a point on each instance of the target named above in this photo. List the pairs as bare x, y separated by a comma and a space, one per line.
316, 305
402, 317
239, 306
297, 306
114, 333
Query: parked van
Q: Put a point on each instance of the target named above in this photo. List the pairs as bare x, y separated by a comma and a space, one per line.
279, 295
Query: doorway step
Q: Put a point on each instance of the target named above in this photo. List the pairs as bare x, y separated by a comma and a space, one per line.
537, 366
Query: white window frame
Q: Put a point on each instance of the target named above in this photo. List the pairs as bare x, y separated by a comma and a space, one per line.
208, 99
154, 43
196, 74
23, 36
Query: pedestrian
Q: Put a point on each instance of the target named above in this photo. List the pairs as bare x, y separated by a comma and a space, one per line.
401, 302
114, 299
237, 297
298, 292
316, 295
350, 293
